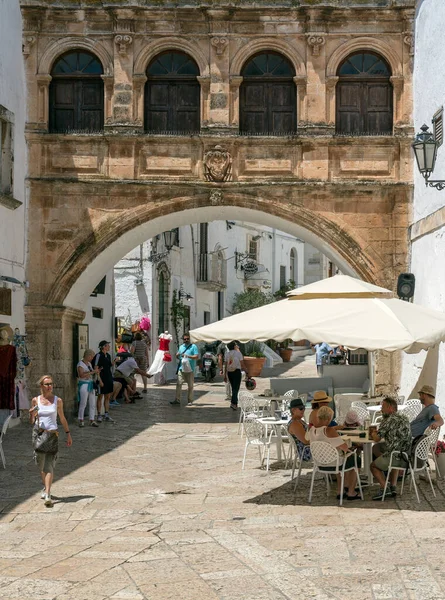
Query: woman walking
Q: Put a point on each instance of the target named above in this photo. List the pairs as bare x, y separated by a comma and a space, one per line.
233, 363
85, 388
44, 410
139, 350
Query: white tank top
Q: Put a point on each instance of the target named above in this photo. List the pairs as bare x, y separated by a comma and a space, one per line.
47, 415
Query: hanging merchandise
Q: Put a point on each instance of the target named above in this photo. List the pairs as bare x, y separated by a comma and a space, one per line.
145, 323
8, 369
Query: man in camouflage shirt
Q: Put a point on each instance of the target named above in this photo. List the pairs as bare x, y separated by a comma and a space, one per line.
394, 434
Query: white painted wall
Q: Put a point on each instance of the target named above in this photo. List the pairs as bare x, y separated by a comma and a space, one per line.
12, 97
428, 252
101, 329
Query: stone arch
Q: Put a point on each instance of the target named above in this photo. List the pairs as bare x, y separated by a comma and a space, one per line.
95, 252
151, 50
364, 43
61, 46
248, 50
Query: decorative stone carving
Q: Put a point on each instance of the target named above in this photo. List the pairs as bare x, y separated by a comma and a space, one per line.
122, 41
216, 196
408, 39
220, 43
218, 164
123, 25
28, 43
316, 41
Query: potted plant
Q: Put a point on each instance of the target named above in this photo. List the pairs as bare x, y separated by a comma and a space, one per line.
254, 359
285, 351
440, 458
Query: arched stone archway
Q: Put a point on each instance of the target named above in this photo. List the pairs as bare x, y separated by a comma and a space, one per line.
99, 222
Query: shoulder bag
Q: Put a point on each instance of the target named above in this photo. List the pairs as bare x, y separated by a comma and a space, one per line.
44, 440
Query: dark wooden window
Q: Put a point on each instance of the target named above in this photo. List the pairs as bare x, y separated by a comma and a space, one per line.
438, 127
364, 95
268, 96
282, 276
5, 301
172, 94
76, 94
162, 302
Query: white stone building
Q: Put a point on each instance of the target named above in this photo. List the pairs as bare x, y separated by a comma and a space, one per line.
208, 264
428, 228
12, 168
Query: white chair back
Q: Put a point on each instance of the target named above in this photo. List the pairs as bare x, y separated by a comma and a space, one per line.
343, 403
362, 413
253, 429
421, 452
433, 436
411, 411
325, 455
359, 403
291, 394
413, 402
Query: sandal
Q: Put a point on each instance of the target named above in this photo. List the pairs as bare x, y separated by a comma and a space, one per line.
345, 495
356, 497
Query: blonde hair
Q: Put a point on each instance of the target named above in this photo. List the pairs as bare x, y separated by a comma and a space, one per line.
42, 379
325, 414
89, 352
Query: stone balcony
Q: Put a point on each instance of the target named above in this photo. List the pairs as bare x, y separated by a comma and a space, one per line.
181, 158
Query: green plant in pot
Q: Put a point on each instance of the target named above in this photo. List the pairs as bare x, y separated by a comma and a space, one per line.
254, 359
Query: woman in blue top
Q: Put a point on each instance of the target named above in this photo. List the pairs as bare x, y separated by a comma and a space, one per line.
187, 354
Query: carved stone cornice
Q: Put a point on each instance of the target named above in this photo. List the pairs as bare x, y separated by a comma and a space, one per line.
300, 80
122, 41
220, 43
216, 197
397, 81
315, 41
43, 78
331, 81
27, 43
123, 25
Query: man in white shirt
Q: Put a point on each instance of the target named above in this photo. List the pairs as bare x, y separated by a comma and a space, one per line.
124, 373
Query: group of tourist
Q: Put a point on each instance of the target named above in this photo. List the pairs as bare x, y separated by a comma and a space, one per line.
395, 433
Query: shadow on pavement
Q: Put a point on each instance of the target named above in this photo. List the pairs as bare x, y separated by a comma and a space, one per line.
284, 495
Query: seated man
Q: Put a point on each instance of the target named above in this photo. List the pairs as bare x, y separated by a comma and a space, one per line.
123, 374
429, 416
394, 434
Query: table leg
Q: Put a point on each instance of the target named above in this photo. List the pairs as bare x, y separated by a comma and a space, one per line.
367, 460
279, 441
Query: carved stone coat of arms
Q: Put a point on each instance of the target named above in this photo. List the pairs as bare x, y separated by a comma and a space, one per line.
217, 164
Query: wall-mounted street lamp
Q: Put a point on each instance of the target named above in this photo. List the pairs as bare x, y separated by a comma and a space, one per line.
170, 238
425, 151
183, 294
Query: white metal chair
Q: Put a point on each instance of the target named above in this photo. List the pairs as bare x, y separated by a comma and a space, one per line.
343, 403
414, 402
325, 455
2, 435
247, 406
362, 413
359, 404
421, 464
255, 437
433, 436
296, 460
392, 467
411, 410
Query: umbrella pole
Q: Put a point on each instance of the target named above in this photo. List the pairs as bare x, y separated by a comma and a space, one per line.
371, 366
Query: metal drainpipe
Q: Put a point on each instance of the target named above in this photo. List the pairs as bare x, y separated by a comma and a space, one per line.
273, 258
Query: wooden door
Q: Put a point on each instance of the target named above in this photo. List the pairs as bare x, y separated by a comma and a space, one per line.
172, 106
364, 107
267, 107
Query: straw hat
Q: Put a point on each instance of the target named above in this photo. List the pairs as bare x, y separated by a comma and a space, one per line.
320, 396
427, 389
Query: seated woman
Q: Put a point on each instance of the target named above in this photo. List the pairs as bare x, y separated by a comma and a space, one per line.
324, 433
320, 399
352, 420
297, 428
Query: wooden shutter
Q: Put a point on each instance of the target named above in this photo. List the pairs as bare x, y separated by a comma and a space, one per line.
378, 112
281, 107
253, 115
62, 102
185, 103
90, 104
157, 94
349, 107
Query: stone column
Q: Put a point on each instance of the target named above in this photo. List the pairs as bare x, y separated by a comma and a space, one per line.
331, 83
219, 69
316, 67
397, 84
301, 83
50, 341
122, 98
139, 80
108, 98
235, 83
205, 99
43, 82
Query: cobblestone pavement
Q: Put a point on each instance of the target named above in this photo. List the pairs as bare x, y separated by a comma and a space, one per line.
157, 507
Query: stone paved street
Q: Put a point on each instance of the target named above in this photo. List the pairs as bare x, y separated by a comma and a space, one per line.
157, 507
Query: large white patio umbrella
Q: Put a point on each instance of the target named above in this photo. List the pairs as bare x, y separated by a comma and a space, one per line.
339, 310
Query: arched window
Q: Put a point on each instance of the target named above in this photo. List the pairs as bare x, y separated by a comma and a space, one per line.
172, 94
76, 93
268, 95
293, 270
364, 95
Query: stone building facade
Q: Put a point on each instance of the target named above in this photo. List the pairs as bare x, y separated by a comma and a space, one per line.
264, 128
